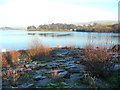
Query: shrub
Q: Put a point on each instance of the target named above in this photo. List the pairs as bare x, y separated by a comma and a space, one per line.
97, 58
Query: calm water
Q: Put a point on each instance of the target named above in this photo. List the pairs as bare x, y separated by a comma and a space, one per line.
15, 40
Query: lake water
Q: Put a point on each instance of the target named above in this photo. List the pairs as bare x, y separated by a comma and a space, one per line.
19, 39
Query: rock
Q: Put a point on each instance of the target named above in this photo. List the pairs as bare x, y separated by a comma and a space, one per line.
35, 62
116, 67
60, 55
51, 67
63, 74
21, 69
38, 77
81, 86
63, 65
26, 85
54, 71
30, 66
42, 83
53, 63
42, 65
28, 69
60, 60
74, 70
66, 68
77, 62
7, 87
75, 77
115, 60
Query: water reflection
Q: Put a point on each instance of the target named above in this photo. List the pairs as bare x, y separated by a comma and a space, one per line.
15, 40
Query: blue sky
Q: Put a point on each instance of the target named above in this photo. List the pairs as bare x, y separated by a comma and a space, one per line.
36, 12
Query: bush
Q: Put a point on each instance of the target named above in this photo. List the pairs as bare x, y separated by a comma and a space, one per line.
97, 58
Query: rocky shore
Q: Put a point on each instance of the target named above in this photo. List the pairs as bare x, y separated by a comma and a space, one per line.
64, 69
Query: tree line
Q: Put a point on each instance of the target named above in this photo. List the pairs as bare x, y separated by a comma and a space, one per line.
115, 28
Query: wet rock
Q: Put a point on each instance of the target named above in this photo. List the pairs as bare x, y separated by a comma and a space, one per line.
21, 69
30, 66
63, 74
38, 77
74, 70
81, 86
77, 62
63, 65
35, 62
52, 63
60, 55
42, 83
51, 67
75, 77
7, 87
26, 85
28, 69
115, 60
60, 60
116, 67
42, 65
54, 71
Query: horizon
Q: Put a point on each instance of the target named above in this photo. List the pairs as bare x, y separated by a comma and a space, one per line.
35, 12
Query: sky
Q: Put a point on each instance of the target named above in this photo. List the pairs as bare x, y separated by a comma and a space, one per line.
36, 12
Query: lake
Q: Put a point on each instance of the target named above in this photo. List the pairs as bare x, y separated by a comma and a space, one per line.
19, 39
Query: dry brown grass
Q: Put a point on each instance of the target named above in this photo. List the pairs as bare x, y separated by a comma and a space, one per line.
10, 57
97, 58
37, 50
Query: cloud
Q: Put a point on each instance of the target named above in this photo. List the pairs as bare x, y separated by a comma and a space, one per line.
35, 12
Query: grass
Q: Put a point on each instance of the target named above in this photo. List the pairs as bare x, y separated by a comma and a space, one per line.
10, 57
37, 50
114, 80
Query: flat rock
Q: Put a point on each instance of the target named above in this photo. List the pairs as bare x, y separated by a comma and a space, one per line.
60, 60
76, 77
42, 83
26, 85
74, 70
63, 74
30, 66
77, 62
42, 65
38, 77
116, 67
35, 62
21, 69
54, 71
